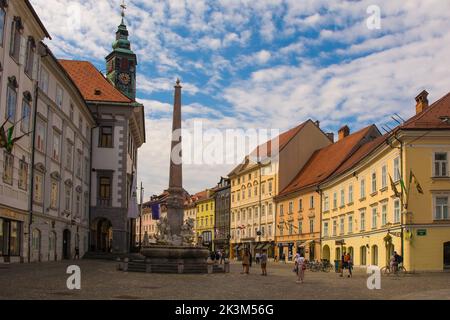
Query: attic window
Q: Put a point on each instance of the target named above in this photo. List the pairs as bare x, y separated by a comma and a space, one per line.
97, 92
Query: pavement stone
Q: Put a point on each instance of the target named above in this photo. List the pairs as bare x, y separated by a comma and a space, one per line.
101, 280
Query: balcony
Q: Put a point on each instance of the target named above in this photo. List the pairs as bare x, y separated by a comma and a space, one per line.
103, 203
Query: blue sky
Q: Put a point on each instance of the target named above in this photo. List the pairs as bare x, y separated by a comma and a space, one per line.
262, 64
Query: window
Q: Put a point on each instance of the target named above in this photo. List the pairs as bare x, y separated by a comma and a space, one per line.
68, 198
374, 182
71, 112
270, 186
238, 196
56, 146
397, 211
26, 113
311, 225
291, 207
311, 202
54, 194
291, 228
106, 135
23, 175
334, 200
8, 166
263, 210
350, 194
440, 164
350, 224
383, 177
40, 135
44, 80
11, 103
232, 197
263, 188
341, 226
300, 227
249, 192
374, 218
334, 228
383, 214
79, 164
243, 216
69, 156
396, 169
363, 220
255, 191
325, 229
269, 230
16, 31
243, 194
363, 189
270, 209
38, 188
2, 31
441, 208
59, 96
80, 124
105, 191
326, 203
342, 197
281, 210
29, 62
300, 205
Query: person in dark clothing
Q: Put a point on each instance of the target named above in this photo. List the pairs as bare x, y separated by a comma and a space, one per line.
251, 259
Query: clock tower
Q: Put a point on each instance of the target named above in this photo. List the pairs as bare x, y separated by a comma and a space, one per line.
121, 62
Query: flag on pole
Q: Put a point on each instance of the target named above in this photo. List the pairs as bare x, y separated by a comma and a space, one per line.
155, 211
402, 184
133, 211
394, 187
412, 178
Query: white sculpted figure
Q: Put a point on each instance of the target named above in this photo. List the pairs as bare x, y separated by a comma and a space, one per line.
187, 232
163, 235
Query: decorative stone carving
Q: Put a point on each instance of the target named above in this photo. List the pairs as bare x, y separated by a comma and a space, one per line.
187, 232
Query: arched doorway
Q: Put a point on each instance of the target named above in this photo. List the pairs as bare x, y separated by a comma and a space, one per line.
338, 254
363, 255
52, 256
390, 248
374, 255
326, 253
66, 244
36, 245
102, 235
447, 255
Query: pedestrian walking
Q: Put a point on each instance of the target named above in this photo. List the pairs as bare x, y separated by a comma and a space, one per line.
350, 265
251, 258
300, 267
257, 257
263, 259
284, 258
343, 263
246, 262
77, 253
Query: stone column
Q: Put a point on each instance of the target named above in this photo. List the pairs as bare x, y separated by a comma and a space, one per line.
175, 199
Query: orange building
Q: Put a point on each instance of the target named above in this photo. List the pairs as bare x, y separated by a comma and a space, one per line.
299, 204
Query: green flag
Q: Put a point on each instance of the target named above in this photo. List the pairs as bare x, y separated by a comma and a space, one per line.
3, 138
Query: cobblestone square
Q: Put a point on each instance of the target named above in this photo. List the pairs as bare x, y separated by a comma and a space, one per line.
101, 280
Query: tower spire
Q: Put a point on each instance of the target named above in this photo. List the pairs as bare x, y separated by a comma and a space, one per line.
123, 7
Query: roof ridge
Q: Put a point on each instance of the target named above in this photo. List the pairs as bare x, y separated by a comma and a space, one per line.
423, 113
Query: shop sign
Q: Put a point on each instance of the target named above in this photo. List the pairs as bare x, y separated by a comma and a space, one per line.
422, 232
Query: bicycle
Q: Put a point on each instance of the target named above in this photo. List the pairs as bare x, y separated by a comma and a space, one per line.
325, 266
401, 270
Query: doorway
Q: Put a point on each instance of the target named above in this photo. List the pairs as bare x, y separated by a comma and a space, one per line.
66, 244
447, 255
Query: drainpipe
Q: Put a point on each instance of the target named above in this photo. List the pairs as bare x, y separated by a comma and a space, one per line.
33, 145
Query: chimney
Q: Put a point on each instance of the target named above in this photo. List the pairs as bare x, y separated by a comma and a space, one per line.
317, 123
330, 136
343, 132
421, 102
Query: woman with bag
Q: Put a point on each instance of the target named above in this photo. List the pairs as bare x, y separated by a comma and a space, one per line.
300, 266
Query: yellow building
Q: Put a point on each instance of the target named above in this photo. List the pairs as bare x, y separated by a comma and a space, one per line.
205, 210
373, 221
254, 185
298, 218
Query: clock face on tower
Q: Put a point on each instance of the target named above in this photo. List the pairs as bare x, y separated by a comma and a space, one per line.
124, 78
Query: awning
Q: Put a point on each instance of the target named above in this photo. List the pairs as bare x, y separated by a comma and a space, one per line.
266, 246
304, 244
259, 246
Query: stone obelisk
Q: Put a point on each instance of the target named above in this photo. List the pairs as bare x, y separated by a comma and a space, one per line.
175, 199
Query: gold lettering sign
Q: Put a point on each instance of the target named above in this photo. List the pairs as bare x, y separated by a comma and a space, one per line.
9, 214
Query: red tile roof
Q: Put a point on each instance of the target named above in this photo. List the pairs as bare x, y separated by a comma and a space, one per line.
283, 140
326, 161
92, 83
431, 117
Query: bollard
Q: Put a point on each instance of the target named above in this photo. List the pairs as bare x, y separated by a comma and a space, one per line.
227, 266
119, 264
125, 264
210, 265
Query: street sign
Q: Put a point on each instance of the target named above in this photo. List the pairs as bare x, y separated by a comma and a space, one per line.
422, 232
340, 242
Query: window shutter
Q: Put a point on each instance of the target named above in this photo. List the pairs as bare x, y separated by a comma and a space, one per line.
23, 50
35, 66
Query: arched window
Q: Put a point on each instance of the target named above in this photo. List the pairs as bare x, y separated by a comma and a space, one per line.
363, 255
16, 33
374, 255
